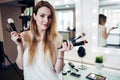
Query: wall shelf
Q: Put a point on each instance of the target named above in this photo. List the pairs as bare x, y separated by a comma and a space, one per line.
25, 17
28, 3
27, 11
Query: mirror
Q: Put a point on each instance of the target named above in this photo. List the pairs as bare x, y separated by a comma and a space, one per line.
111, 55
111, 10
65, 14
66, 20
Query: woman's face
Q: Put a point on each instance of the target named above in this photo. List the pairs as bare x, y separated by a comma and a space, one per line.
43, 18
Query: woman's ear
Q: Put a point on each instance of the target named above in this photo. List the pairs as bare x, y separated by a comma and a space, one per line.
34, 16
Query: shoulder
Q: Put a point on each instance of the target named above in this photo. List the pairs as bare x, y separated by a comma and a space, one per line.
102, 27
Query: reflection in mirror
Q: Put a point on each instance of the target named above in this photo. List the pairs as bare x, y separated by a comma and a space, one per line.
109, 27
65, 16
66, 20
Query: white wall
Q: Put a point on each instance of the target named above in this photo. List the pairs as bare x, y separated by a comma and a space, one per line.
8, 11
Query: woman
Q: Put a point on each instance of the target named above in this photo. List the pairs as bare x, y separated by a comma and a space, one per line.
102, 31
38, 53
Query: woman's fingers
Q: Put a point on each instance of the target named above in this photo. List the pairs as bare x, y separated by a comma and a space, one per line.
71, 45
67, 45
15, 37
13, 32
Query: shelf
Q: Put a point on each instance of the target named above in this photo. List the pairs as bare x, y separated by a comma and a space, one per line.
25, 17
26, 10
28, 3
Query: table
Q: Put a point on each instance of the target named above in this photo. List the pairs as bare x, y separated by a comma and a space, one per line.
110, 74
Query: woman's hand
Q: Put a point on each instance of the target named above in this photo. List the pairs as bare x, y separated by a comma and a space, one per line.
66, 46
16, 38
112, 28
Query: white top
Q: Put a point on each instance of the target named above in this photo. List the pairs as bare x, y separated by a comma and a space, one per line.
41, 69
101, 39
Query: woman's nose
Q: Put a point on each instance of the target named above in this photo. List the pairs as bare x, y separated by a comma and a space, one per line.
46, 19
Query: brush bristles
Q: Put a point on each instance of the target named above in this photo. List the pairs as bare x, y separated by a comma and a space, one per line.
10, 20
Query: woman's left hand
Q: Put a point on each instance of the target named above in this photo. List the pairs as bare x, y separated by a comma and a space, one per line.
66, 46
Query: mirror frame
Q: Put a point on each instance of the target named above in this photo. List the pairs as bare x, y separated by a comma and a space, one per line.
91, 25
115, 51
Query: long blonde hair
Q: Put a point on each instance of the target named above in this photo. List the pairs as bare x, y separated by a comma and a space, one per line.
50, 34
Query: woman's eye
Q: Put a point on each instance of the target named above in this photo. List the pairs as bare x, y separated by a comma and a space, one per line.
50, 17
42, 15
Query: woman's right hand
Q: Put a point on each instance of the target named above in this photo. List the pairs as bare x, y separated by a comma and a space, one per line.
16, 38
